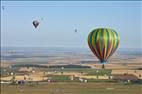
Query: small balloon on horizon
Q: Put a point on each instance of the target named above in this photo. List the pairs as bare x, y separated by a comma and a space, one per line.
75, 30
3, 7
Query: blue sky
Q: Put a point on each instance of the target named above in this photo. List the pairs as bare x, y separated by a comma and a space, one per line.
59, 19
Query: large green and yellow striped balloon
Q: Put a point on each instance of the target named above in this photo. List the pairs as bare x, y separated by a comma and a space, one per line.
103, 42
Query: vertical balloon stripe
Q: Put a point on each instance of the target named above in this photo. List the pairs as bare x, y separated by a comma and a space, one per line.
102, 42
99, 42
116, 43
98, 36
91, 46
98, 49
110, 42
113, 40
113, 43
92, 42
97, 31
117, 39
93, 38
105, 38
89, 43
95, 43
113, 46
107, 43
109, 49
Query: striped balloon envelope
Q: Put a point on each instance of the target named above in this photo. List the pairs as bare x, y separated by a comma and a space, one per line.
103, 42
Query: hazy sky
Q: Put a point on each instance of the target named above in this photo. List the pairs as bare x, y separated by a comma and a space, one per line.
59, 19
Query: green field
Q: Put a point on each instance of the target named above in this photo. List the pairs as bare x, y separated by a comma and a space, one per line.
87, 71
63, 85
72, 88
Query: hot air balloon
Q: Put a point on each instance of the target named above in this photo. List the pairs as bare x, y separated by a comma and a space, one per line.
2, 7
75, 30
41, 18
103, 42
35, 23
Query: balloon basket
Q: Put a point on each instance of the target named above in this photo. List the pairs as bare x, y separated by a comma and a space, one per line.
103, 66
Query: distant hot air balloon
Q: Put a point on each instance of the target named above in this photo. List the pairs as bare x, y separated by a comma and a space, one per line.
103, 42
75, 30
3, 7
35, 23
41, 18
